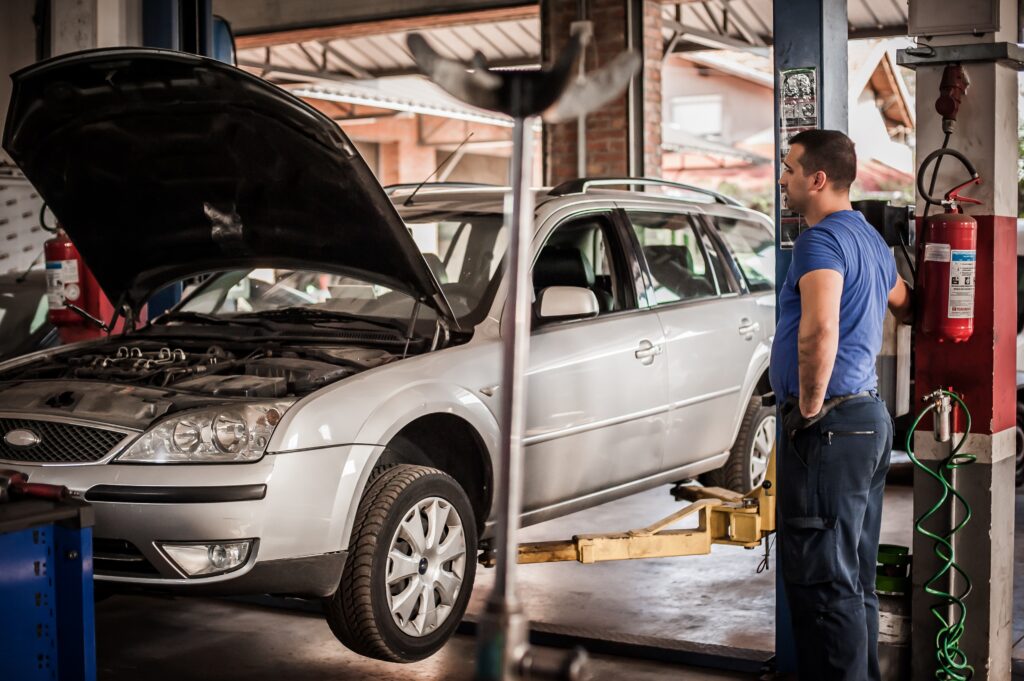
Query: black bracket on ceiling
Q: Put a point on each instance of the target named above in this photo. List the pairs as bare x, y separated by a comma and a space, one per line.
1008, 54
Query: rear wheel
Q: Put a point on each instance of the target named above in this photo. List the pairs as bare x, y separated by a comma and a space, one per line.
747, 464
410, 566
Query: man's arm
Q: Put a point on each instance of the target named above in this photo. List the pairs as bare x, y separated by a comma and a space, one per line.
901, 302
818, 339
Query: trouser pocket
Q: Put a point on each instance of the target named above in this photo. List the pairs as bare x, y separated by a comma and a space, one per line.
809, 550
833, 434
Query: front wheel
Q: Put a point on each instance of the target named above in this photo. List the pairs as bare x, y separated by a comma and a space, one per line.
410, 567
747, 464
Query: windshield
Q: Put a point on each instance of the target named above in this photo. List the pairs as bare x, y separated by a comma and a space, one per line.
463, 251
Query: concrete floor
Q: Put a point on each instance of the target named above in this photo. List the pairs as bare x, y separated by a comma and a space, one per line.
716, 599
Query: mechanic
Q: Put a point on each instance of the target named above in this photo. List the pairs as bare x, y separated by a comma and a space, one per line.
833, 453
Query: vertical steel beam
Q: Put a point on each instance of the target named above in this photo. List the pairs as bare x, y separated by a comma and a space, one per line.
185, 25
161, 27
808, 34
161, 24
635, 93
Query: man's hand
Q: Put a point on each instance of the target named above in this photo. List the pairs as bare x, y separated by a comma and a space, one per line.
810, 412
818, 340
901, 302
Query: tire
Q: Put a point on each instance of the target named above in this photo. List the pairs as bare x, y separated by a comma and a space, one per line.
399, 499
747, 463
1019, 477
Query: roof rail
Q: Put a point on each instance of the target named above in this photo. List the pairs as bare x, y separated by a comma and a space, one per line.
391, 188
581, 184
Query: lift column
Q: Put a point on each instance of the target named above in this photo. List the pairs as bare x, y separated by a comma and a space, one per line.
811, 61
185, 25
974, 33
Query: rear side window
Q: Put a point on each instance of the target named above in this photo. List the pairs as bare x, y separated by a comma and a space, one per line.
675, 257
753, 247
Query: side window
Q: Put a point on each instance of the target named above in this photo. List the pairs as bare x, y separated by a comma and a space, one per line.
726, 283
753, 247
678, 263
583, 252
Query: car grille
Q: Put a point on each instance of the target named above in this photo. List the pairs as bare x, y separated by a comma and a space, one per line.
119, 557
58, 442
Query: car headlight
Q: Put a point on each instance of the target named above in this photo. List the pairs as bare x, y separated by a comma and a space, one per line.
221, 435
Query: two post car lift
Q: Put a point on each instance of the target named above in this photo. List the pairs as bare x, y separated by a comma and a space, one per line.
723, 517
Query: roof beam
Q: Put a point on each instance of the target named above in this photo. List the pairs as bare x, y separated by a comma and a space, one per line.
364, 28
312, 74
713, 40
741, 25
352, 67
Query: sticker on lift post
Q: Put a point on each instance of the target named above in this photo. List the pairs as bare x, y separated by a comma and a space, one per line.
961, 284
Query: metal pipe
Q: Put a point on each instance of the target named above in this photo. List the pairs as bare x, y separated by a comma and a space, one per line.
505, 633
581, 120
635, 93
515, 329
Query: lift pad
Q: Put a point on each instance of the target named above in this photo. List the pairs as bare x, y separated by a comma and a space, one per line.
723, 517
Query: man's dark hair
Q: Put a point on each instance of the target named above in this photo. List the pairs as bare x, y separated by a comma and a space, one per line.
831, 152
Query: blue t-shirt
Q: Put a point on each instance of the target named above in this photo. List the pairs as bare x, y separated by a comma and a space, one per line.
846, 243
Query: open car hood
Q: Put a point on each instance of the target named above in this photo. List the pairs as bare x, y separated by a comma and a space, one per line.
161, 165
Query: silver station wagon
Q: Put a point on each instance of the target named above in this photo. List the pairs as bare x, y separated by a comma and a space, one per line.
317, 417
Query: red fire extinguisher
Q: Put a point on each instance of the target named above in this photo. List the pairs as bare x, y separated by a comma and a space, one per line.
71, 290
947, 255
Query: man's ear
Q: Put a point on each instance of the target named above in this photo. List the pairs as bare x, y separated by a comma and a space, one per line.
818, 181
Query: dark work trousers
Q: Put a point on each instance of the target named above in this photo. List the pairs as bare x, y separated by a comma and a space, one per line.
831, 477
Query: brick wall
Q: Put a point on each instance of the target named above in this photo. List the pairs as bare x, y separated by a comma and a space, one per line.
607, 130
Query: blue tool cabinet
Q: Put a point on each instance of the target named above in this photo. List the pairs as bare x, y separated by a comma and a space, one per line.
46, 592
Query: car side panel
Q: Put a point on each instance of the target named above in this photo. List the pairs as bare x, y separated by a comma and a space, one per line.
707, 365
596, 412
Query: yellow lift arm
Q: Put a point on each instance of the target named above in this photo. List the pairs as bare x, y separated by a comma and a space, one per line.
724, 517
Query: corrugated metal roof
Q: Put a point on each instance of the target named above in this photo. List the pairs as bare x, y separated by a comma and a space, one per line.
506, 43
749, 22
339, 63
378, 50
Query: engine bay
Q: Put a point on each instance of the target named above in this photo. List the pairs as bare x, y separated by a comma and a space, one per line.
264, 370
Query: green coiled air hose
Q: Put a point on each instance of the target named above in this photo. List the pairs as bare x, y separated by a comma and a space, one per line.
950, 610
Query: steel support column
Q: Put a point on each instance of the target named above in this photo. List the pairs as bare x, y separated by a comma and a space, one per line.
635, 92
185, 25
808, 34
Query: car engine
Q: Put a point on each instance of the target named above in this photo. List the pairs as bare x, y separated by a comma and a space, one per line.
262, 372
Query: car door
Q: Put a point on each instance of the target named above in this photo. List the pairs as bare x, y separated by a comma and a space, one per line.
751, 250
597, 387
710, 331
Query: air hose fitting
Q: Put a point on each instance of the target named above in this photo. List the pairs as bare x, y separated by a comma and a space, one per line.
950, 610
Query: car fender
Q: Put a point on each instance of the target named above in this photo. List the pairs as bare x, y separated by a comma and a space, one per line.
758, 365
375, 408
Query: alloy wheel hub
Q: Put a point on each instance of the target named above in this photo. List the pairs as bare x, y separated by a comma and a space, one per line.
761, 450
426, 566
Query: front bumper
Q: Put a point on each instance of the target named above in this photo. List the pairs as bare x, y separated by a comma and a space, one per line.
295, 506
310, 576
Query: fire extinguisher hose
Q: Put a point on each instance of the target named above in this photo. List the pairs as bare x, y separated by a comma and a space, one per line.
950, 609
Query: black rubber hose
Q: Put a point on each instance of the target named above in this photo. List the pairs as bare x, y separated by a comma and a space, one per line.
926, 194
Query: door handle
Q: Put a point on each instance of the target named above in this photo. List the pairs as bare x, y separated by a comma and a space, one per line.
647, 352
748, 328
